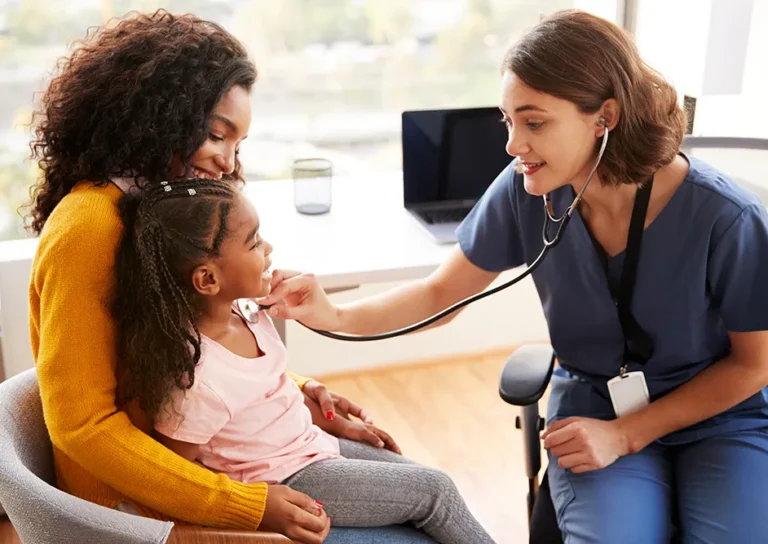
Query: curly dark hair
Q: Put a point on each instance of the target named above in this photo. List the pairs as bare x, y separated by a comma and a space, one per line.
170, 228
131, 98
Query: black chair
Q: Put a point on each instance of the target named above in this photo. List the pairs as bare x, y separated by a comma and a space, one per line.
523, 381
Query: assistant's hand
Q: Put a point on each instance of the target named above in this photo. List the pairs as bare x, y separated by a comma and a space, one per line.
295, 515
584, 444
300, 297
333, 404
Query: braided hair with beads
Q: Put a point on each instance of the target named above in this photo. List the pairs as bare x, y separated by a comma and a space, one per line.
170, 229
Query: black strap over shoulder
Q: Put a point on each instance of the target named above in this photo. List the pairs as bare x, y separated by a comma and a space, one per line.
638, 346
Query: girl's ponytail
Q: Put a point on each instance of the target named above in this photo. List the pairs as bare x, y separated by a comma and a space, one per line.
170, 228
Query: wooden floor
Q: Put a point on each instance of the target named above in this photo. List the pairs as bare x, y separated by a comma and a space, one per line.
447, 415
7, 534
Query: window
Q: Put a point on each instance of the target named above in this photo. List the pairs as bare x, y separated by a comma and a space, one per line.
334, 75
715, 51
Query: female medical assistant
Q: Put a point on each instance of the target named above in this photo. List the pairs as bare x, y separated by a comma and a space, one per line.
702, 271
696, 459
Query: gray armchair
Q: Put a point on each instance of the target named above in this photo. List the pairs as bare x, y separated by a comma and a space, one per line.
42, 514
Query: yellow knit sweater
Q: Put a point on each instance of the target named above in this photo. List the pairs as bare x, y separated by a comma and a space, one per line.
101, 453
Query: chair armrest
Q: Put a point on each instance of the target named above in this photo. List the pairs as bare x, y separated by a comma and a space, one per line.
526, 374
523, 381
190, 534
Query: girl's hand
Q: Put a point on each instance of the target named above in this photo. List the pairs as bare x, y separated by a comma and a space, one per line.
584, 444
362, 432
300, 297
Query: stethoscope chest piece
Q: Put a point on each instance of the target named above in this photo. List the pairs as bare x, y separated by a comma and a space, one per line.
249, 310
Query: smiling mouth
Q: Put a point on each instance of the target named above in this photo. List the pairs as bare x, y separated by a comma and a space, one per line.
199, 173
528, 167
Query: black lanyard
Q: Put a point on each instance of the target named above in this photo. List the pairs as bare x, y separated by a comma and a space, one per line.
638, 346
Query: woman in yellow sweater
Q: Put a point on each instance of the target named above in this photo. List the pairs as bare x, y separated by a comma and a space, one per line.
156, 97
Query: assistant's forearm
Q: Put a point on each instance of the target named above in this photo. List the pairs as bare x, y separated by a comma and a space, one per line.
716, 389
393, 309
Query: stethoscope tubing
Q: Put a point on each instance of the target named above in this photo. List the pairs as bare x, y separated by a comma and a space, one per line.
563, 220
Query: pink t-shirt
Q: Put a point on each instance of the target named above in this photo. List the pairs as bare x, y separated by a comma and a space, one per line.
248, 414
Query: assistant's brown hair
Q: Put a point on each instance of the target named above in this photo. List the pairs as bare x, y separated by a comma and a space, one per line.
129, 99
584, 59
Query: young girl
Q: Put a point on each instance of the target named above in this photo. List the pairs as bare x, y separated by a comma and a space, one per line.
216, 384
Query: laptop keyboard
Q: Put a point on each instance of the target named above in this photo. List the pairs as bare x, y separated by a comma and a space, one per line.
454, 215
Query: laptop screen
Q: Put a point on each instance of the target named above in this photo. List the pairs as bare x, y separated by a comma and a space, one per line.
451, 155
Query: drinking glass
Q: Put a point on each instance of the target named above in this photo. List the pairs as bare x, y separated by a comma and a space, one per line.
312, 179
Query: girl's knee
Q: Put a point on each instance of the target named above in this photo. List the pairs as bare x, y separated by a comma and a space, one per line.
441, 482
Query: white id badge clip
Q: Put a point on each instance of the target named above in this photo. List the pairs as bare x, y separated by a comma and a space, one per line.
629, 392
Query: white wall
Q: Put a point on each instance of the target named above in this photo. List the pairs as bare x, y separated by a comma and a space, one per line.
504, 320
14, 324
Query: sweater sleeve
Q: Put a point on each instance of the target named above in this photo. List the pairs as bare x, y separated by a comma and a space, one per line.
301, 381
73, 341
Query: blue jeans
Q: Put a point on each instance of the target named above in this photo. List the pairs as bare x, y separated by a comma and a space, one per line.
394, 534
716, 487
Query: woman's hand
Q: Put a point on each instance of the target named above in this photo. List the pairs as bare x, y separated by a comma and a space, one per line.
301, 297
333, 404
295, 515
584, 444
343, 426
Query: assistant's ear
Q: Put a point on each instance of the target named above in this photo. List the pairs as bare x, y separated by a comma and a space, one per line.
608, 117
205, 279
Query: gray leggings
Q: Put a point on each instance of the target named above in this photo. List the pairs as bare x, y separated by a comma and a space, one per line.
373, 487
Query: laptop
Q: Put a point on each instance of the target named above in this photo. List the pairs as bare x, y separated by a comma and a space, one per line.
450, 158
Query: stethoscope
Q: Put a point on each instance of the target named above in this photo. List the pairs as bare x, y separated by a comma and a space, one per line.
250, 309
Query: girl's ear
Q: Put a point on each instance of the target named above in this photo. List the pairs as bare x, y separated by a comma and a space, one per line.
205, 280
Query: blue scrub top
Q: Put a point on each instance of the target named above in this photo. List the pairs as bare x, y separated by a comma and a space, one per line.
703, 271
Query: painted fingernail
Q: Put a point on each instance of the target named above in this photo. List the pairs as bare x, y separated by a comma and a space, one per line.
329, 415
319, 504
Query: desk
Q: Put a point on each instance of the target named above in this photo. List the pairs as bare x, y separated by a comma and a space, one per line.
367, 237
